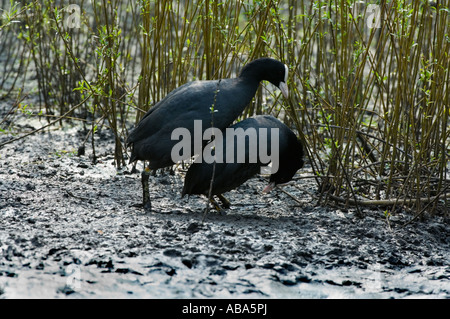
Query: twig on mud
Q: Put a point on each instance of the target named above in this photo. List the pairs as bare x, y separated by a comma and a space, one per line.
387, 202
291, 196
306, 191
76, 196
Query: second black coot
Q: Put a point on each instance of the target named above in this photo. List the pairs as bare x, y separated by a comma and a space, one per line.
228, 176
151, 139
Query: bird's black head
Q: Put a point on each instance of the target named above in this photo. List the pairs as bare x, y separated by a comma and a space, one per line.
291, 160
270, 70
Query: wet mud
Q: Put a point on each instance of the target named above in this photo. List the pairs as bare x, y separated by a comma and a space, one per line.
72, 229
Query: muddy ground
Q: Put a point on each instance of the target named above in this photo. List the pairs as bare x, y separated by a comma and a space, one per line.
71, 229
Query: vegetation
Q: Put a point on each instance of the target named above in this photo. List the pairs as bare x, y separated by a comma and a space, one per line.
369, 83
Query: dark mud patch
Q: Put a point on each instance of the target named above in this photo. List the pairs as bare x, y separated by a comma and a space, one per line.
70, 229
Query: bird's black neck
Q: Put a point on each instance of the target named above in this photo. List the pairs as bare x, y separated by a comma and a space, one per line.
253, 72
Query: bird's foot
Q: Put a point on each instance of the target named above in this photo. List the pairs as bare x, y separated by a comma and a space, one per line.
219, 208
225, 202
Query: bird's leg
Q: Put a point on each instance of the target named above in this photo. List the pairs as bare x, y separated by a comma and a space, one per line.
217, 206
205, 212
225, 202
146, 189
134, 170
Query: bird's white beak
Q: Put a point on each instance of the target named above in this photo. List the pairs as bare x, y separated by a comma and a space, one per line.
284, 89
283, 85
268, 188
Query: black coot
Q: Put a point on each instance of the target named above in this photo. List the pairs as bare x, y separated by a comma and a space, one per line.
151, 139
230, 174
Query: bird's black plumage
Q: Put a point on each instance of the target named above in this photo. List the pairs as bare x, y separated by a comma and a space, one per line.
151, 138
228, 176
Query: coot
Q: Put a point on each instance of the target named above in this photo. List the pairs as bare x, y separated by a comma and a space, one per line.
229, 173
151, 139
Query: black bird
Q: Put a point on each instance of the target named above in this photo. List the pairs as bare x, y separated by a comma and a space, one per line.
231, 174
151, 139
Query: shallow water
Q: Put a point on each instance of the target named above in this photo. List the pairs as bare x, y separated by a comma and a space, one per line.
70, 229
